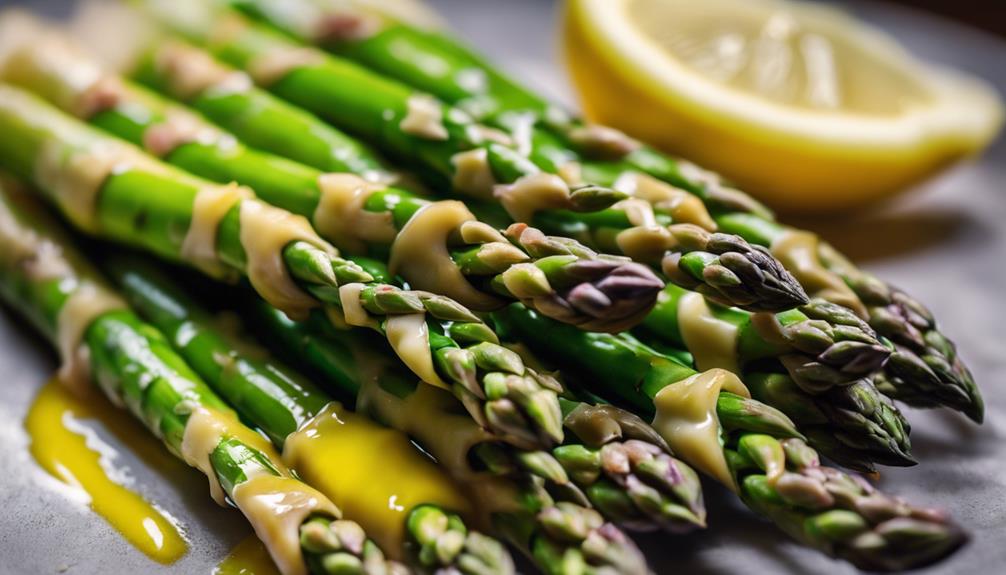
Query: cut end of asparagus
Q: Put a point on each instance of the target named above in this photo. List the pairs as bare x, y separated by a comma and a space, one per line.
340, 547
730, 271
440, 542
572, 539
572, 284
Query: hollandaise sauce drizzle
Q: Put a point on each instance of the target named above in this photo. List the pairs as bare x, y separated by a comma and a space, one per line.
249, 557
65, 444
386, 479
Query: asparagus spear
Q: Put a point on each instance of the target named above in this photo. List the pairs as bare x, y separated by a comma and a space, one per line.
111, 190
726, 268
273, 394
405, 207
764, 458
556, 276
876, 413
925, 370
610, 458
830, 355
279, 402
47, 280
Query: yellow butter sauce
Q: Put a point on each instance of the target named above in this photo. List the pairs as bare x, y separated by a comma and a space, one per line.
249, 557
374, 474
67, 447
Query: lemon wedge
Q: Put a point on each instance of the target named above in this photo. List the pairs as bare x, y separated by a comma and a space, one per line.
798, 103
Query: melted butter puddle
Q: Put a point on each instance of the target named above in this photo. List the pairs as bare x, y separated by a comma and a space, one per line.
69, 450
249, 557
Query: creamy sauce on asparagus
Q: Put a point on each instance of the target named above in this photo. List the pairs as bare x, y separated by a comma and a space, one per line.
712, 341
436, 420
424, 118
204, 430
271, 67
341, 218
68, 74
682, 206
472, 174
798, 251
74, 176
65, 443
353, 313
265, 232
276, 506
190, 71
88, 302
373, 473
409, 336
531, 194
686, 418
420, 254
646, 241
249, 557
180, 127
211, 204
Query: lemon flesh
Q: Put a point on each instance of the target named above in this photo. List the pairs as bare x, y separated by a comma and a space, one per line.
797, 103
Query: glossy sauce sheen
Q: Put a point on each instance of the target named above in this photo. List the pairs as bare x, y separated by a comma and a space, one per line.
67, 447
378, 476
249, 557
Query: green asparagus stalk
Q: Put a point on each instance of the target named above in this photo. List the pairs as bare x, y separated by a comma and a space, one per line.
290, 398
140, 202
925, 370
556, 276
394, 46
771, 467
830, 355
45, 278
610, 459
811, 367
279, 401
404, 208
724, 267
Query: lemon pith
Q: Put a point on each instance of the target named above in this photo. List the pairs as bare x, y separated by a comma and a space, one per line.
861, 133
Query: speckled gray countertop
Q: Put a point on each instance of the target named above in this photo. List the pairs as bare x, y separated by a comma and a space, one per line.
945, 243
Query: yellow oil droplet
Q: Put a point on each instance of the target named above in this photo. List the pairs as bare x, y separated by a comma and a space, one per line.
249, 557
70, 450
387, 479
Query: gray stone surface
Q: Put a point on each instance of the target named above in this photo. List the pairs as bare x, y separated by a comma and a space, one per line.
945, 243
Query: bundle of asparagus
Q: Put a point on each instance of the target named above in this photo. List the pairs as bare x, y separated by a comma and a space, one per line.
478, 266
550, 468
516, 488
435, 138
868, 424
925, 369
99, 337
111, 189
